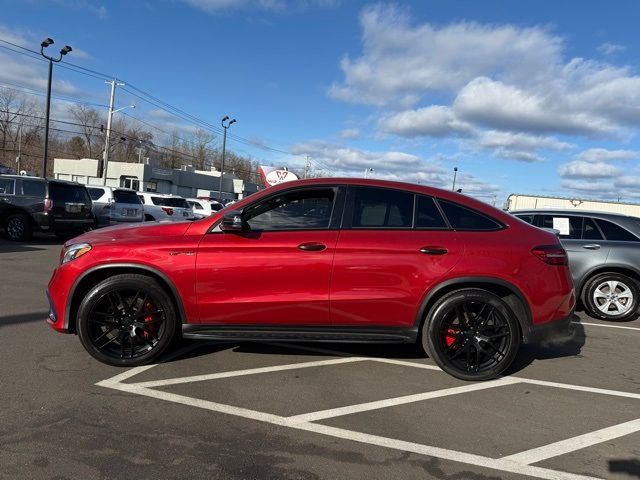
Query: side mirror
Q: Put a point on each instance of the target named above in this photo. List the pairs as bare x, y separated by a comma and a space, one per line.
232, 222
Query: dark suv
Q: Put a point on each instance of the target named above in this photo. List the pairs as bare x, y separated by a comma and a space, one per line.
604, 256
32, 203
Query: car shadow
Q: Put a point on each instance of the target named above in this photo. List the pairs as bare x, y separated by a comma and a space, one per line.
629, 467
23, 318
568, 346
17, 248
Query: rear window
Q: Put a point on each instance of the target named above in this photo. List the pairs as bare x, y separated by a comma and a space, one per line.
616, 233
216, 206
95, 193
462, 218
33, 188
124, 196
60, 192
570, 227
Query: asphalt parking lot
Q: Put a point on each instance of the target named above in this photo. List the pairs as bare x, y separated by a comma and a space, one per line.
271, 411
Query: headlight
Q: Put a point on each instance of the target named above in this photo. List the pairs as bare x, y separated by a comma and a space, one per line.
74, 251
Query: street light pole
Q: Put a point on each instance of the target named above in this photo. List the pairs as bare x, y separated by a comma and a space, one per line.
367, 171
224, 146
455, 173
66, 49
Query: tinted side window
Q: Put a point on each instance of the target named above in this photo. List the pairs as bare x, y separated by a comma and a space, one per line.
590, 231
33, 188
526, 218
7, 186
569, 226
123, 196
614, 232
95, 193
427, 214
299, 210
381, 208
462, 218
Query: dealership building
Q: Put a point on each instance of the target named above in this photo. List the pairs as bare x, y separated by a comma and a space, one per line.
146, 177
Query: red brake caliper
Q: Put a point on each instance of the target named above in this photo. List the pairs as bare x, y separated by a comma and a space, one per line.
152, 329
450, 336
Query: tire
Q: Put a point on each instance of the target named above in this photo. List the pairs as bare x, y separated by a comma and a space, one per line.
611, 296
471, 334
18, 227
126, 320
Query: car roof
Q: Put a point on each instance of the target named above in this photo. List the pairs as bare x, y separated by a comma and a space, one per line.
561, 211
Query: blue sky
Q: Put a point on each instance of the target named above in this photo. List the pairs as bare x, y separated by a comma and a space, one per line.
532, 97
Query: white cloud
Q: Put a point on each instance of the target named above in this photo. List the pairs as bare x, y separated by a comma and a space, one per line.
609, 48
350, 133
584, 169
603, 155
217, 6
433, 121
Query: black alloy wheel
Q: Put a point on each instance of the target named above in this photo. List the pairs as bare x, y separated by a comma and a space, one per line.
18, 227
126, 320
471, 334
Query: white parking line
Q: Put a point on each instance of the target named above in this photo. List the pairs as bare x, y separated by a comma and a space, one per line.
251, 371
607, 326
536, 455
443, 453
392, 402
580, 388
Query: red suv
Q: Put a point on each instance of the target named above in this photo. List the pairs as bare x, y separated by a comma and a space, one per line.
332, 260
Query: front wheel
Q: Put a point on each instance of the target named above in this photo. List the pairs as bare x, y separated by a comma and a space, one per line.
471, 334
611, 296
126, 320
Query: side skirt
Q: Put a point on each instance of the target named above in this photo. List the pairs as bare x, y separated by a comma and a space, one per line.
300, 334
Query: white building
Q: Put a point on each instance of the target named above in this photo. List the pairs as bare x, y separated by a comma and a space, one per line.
144, 177
517, 201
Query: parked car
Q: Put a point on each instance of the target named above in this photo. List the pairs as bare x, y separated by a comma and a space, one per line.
112, 206
28, 204
203, 207
604, 257
346, 260
165, 207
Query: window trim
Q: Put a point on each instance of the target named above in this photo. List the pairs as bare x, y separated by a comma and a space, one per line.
446, 228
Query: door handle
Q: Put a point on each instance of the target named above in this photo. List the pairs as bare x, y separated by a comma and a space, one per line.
592, 246
434, 250
312, 247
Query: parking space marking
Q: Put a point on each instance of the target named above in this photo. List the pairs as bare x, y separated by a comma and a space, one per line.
250, 371
443, 453
608, 326
539, 454
392, 402
407, 364
580, 388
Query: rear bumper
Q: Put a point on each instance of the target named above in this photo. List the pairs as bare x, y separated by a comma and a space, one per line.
558, 330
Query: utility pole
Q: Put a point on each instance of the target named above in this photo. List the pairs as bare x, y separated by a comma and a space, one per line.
367, 171
307, 167
224, 146
19, 148
455, 173
105, 154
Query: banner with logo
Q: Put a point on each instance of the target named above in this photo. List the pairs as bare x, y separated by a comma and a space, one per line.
273, 176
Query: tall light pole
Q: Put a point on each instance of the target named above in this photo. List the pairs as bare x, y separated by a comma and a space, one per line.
367, 171
455, 173
105, 154
66, 49
224, 146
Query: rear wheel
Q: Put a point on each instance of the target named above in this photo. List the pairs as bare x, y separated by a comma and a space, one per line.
611, 296
471, 334
126, 320
18, 227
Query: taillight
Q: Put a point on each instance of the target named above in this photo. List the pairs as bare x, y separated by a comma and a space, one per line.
48, 205
167, 210
551, 254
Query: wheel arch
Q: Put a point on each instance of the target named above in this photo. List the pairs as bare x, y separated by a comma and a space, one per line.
96, 274
509, 293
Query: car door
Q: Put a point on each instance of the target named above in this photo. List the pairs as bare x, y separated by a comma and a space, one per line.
386, 259
277, 270
582, 240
